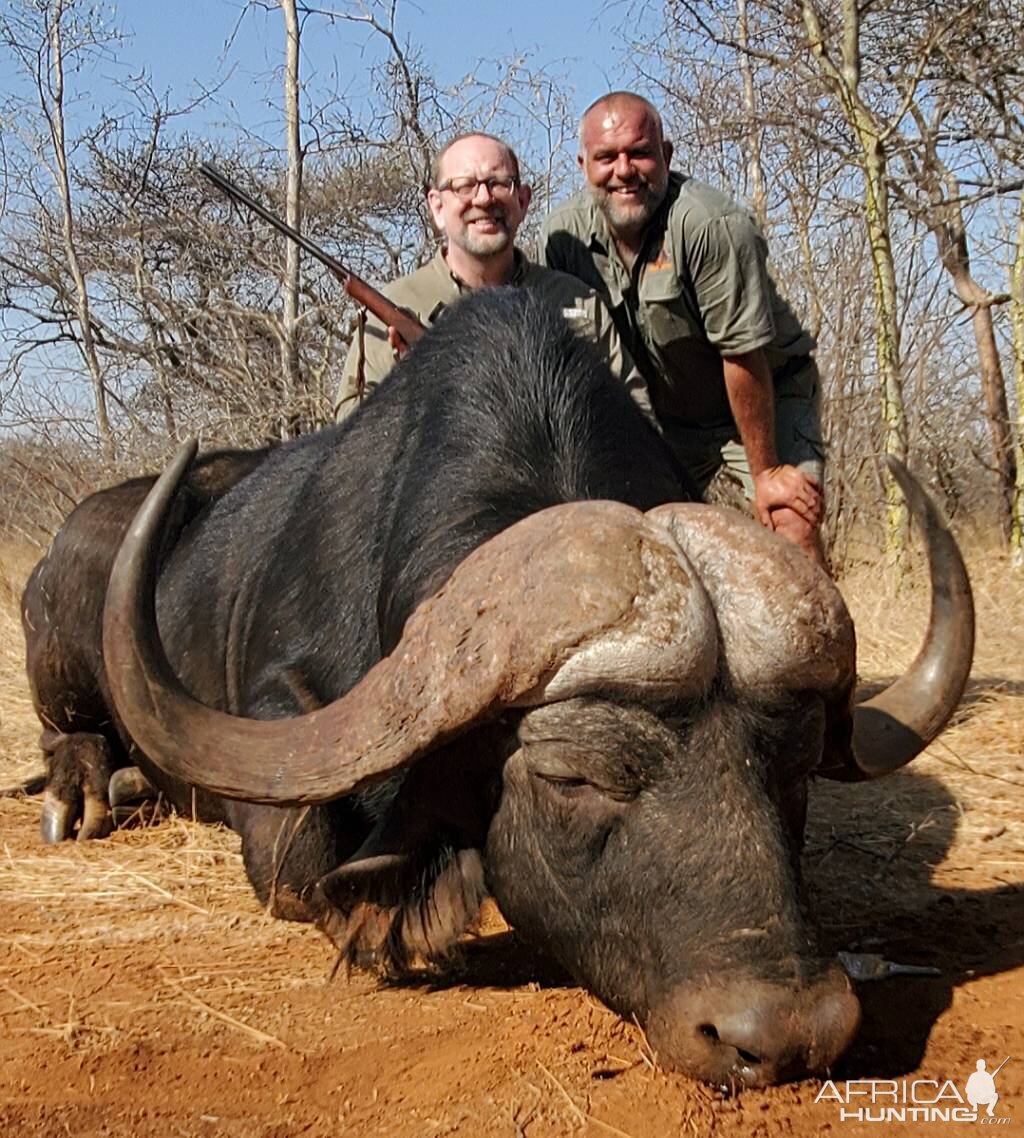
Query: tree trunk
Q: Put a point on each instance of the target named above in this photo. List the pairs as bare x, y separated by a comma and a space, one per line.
843, 80
291, 421
752, 130
950, 230
55, 117
802, 223
997, 412
887, 336
1017, 323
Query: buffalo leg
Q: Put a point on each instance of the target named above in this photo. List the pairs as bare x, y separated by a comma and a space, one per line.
78, 773
129, 785
132, 797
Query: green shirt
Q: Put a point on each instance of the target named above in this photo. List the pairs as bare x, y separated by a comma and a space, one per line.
699, 290
427, 292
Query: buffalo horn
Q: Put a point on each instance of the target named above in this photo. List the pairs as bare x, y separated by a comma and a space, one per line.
584, 597
894, 726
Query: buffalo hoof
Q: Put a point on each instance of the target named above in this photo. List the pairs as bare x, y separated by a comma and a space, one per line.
386, 915
129, 785
78, 773
134, 800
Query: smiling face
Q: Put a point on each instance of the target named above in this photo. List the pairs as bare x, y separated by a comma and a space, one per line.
484, 224
625, 160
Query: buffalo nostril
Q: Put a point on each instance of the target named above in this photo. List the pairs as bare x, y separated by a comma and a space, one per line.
710, 1032
754, 1032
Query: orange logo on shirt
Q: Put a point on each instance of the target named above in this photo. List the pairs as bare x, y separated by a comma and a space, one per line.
663, 262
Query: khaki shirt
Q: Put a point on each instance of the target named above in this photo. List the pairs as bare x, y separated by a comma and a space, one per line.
427, 292
700, 290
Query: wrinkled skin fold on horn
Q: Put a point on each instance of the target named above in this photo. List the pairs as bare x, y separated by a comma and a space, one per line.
894, 726
579, 598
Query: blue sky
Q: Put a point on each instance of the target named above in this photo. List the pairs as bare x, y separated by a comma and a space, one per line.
180, 42
187, 46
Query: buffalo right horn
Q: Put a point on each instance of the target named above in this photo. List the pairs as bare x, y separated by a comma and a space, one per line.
583, 597
894, 726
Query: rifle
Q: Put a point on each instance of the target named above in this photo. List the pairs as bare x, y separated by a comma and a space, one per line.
408, 327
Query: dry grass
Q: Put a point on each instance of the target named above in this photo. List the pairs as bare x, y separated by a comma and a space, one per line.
984, 747
19, 728
953, 820
144, 961
155, 889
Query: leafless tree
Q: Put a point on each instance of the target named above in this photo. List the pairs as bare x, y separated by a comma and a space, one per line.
293, 209
199, 317
44, 37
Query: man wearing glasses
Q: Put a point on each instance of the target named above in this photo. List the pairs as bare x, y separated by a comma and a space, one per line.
478, 201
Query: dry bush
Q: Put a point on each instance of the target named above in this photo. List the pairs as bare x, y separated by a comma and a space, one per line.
19, 728
42, 481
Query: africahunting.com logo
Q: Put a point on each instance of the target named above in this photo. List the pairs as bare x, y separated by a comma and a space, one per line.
919, 1100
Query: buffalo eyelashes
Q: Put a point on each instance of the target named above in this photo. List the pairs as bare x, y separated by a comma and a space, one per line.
574, 786
566, 784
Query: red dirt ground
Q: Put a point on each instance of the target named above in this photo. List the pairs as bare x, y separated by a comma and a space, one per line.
191, 1014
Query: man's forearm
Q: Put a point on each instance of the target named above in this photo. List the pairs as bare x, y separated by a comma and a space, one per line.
786, 499
748, 384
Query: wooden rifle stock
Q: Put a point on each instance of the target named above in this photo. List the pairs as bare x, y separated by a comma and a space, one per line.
408, 327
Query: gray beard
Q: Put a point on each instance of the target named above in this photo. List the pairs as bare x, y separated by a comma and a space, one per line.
628, 224
486, 244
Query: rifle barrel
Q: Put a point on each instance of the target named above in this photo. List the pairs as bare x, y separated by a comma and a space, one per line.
408, 327
228, 187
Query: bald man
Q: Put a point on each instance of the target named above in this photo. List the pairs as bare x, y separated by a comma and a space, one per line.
478, 200
684, 271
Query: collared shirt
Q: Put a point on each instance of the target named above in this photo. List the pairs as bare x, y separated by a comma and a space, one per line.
427, 292
699, 290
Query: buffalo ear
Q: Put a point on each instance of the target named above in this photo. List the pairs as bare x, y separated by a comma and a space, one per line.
395, 913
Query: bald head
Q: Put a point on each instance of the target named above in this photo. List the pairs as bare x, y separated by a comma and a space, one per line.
625, 158
612, 107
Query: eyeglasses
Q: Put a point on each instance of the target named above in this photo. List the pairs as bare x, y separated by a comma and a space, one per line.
499, 186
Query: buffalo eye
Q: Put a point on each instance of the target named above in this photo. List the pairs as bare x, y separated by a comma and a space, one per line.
570, 784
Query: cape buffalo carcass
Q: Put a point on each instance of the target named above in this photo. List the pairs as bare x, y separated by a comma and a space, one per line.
473, 645
83, 742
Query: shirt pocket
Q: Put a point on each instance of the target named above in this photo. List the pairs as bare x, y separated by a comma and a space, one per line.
580, 318
668, 318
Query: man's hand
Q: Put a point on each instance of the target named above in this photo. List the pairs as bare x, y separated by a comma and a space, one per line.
787, 488
398, 345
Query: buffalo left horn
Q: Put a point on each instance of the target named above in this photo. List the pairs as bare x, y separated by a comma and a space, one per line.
894, 726
579, 598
